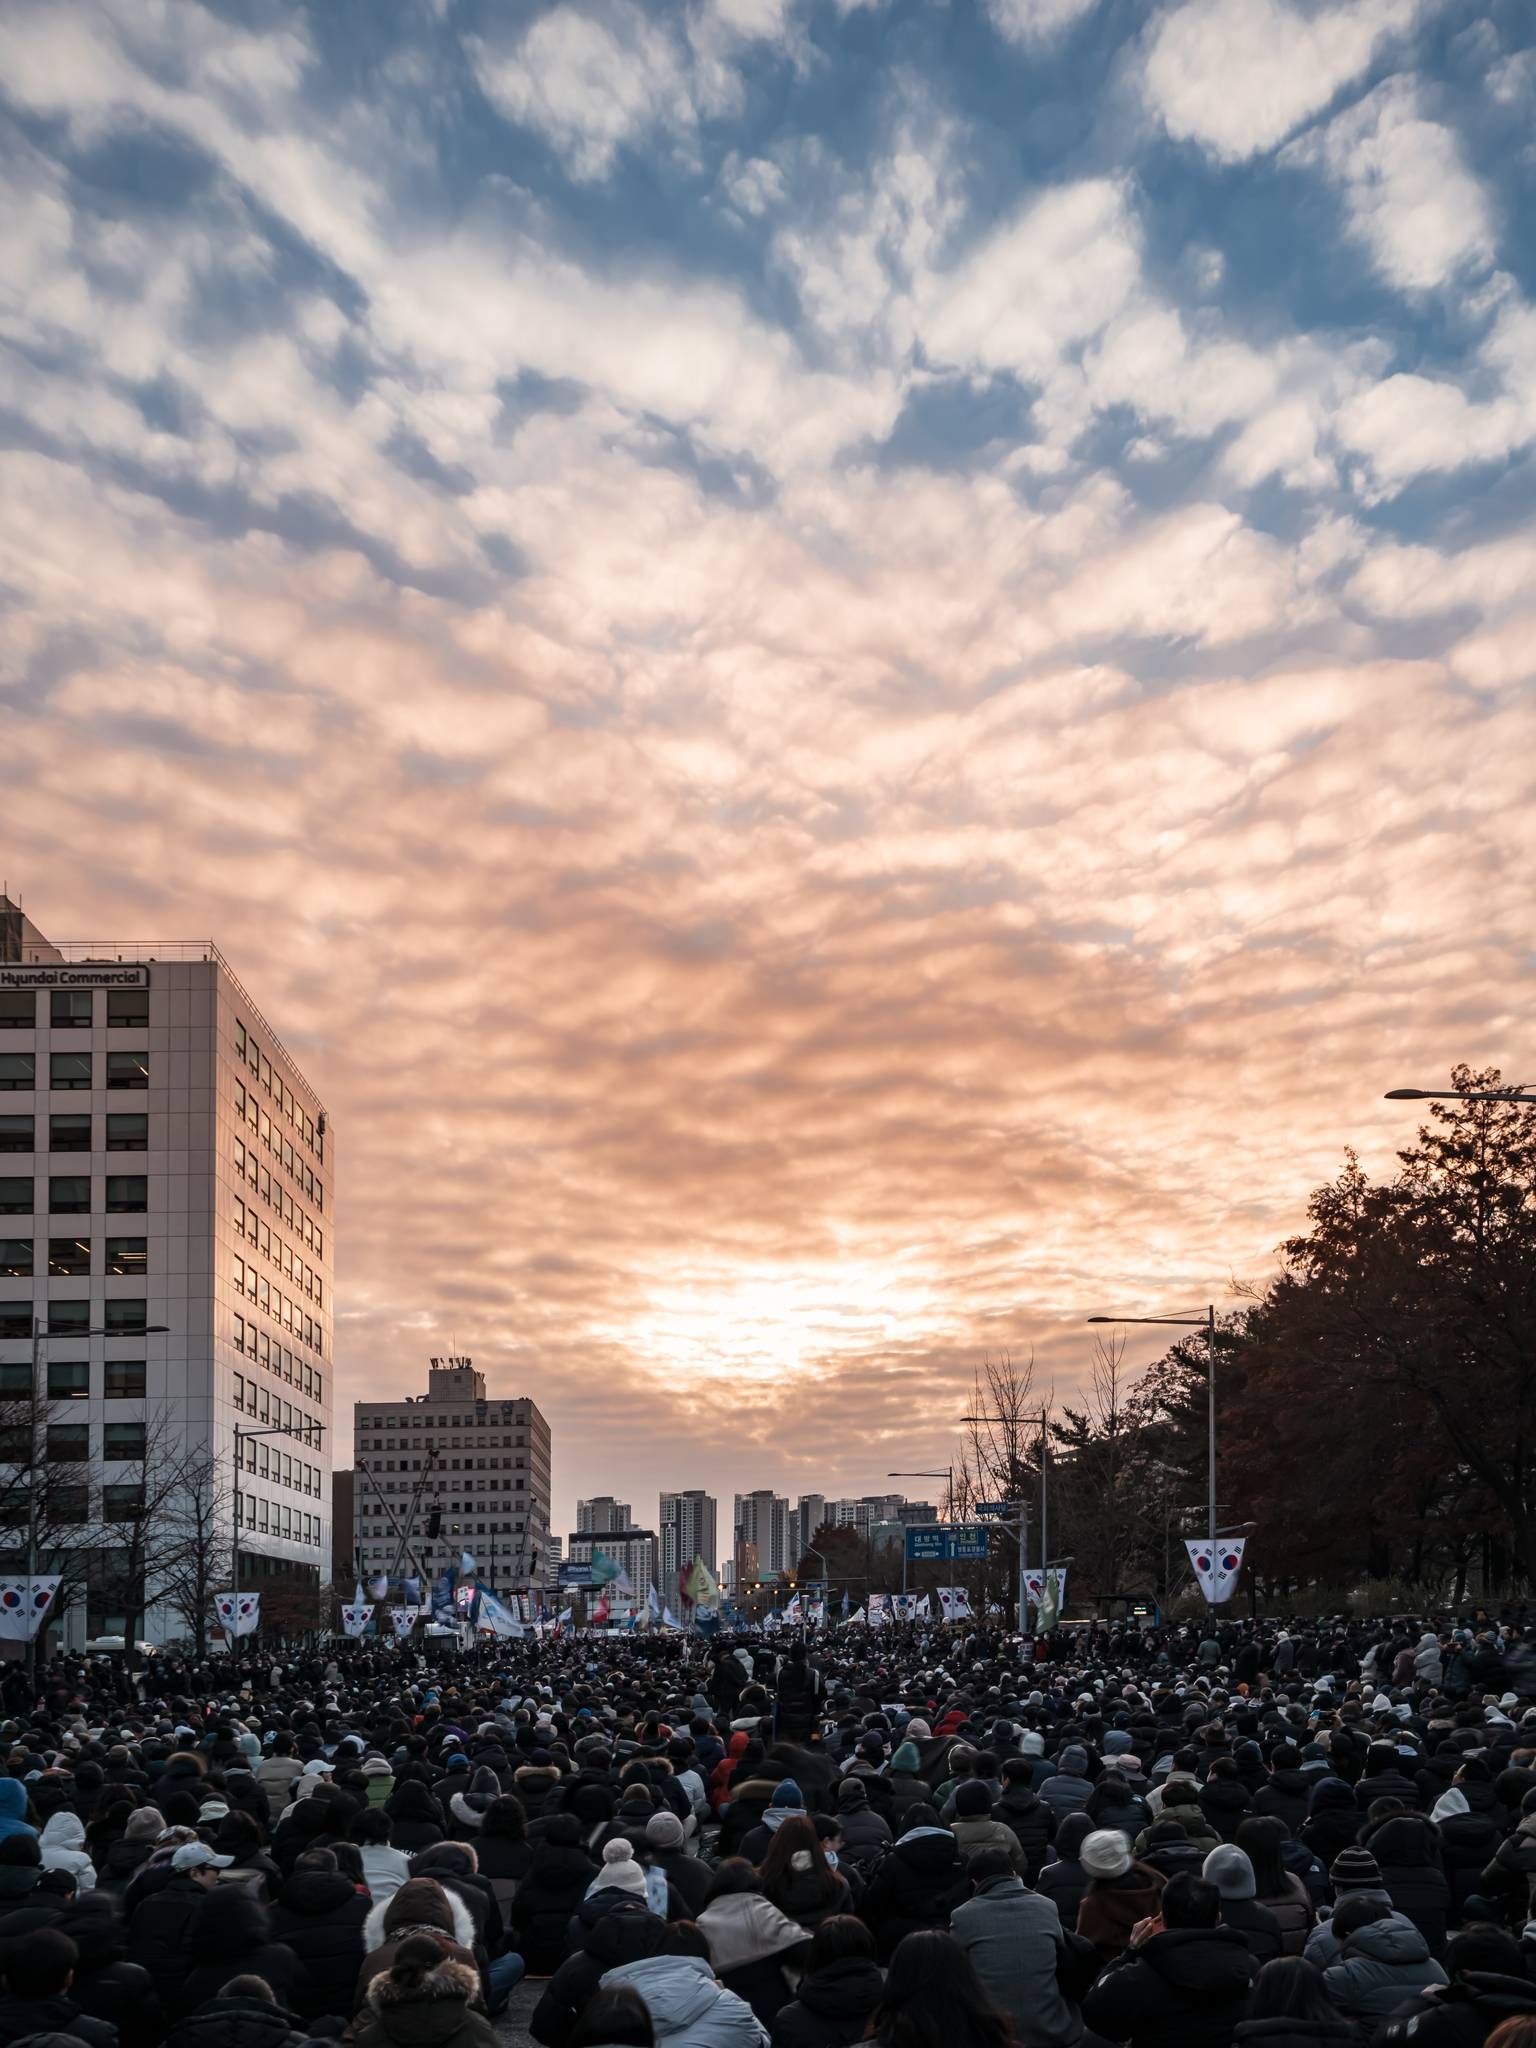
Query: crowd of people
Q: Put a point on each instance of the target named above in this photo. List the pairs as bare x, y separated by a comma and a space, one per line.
1242, 1833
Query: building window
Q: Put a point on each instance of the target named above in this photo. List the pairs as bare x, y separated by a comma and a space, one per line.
15, 1195
70, 1504
127, 1069
69, 1009
69, 1443
15, 1258
68, 1070
68, 1379
16, 1376
69, 1194
122, 1503
128, 1008
124, 1379
127, 1132
122, 1440
18, 1009
127, 1256
239, 1040
68, 1318
15, 1318
18, 1070
127, 1194
69, 1132
69, 1258
128, 1318
16, 1134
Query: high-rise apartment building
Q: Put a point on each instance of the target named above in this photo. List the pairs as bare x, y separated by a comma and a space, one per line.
810, 1514
596, 1517
167, 1232
687, 1529
449, 1471
761, 1528
632, 1550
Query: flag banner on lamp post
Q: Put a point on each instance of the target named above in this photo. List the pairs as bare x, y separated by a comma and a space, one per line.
904, 1606
246, 1621
879, 1612
404, 1619
1217, 1566
355, 1619
24, 1605
954, 1603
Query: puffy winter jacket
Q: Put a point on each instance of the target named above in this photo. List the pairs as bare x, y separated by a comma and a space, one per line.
688, 2008
832, 2007
1380, 1967
238, 2023
320, 1916
1185, 1988
63, 1847
918, 1886
1408, 1852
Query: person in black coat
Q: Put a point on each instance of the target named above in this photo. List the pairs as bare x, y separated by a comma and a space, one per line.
623, 1931
1408, 1853
160, 1931
1469, 1841
1224, 1799
37, 1998
1187, 1987
1333, 1820
319, 1914
1288, 1790
687, 1875
556, 1884
1064, 1881
1289, 2007
1384, 1778
242, 2016
106, 1985
1021, 1808
840, 1989
232, 1936
918, 1885
415, 1816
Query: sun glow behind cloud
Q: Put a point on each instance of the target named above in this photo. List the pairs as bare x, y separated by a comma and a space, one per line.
852, 675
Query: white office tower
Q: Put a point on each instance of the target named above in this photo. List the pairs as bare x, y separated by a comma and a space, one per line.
167, 1232
687, 1529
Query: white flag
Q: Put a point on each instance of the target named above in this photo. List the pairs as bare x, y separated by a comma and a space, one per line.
954, 1603
247, 1621
355, 1618
817, 1613
668, 1618
904, 1605
792, 1609
878, 1614
24, 1604
495, 1619
924, 1609
1217, 1566
404, 1619
378, 1586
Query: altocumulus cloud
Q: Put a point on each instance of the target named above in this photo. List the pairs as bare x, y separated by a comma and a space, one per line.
854, 674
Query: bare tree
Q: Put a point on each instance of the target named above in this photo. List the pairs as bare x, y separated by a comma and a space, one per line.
999, 1461
1096, 1442
198, 1537
45, 1489
139, 1518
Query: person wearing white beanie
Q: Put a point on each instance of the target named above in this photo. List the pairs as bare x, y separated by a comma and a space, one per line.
620, 1871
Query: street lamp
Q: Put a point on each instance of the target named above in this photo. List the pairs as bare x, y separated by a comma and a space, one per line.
1207, 1322
1515, 1091
40, 1337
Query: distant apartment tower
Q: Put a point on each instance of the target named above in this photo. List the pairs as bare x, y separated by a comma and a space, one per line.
686, 1527
167, 1230
810, 1514
594, 1517
632, 1550
761, 1534
476, 1469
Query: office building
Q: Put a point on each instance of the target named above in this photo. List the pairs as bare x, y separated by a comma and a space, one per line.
761, 1535
449, 1471
810, 1514
686, 1526
167, 1225
343, 1531
554, 1551
632, 1550
596, 1517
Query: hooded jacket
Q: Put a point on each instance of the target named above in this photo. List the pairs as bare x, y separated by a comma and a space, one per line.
623, 1932
1064, 1881
688, 2008
1014, 1940
238, 2023
554, 1887
1068, 1791
13, 1809
231, 1936
442, 2011
57, 2014
866, 1834
1407, 1851
832, 2007
1464, 2014
320, 1916
983, 1832
918, 1885
160, 1930
1185, 1988
63, 1846
1381, 1965
1022, 1809
419, 1906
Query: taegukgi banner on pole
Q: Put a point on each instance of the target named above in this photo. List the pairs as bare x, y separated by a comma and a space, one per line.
356, 1616
24, 1605
1217, 1566
239, 1614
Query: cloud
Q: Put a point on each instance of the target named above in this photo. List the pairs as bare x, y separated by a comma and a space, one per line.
1409, 196
1238, 76
1035, 21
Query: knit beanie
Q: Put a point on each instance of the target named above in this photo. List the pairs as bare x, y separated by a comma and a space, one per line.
144, 1824
1354, 1870
1229, 1869
1106, 1853
787, 1793
620, 1871
972, 1799
917, 1730
1033, 1743
664, 1831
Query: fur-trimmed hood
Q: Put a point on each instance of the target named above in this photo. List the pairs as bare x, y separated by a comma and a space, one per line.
376, 1934
448, 1980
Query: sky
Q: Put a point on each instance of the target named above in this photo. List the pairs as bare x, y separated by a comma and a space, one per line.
852, 675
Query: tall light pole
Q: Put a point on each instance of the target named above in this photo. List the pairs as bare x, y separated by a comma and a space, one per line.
39, 1340
1207, 1322
948, 1476
1516, 1091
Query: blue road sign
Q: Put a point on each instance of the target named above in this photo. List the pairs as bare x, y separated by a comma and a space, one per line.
943, 1542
